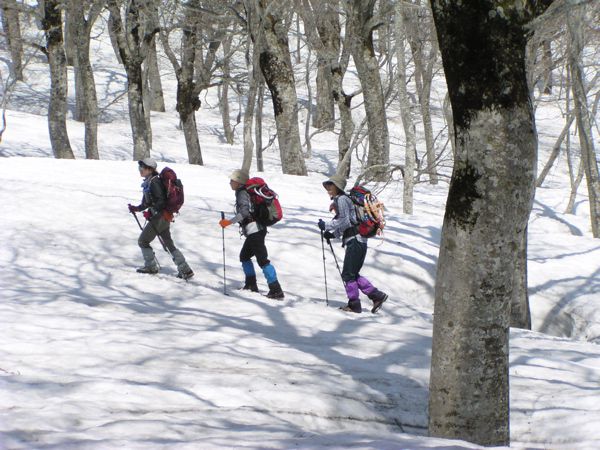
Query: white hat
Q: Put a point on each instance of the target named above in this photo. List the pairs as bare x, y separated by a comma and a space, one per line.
338, 180
148, 162
240, 176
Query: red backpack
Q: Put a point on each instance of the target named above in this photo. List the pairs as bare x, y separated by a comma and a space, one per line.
267, 209
174, 188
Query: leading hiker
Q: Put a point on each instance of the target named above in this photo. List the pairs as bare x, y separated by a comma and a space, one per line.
158, 222
255, 233
344, 225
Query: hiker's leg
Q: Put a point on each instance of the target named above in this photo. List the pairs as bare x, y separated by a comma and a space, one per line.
146, 236
164, 231
246, 254
353, 261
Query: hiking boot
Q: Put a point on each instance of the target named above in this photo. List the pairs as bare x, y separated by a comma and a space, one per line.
352, 306
147, 269
250, 284
186, 275
275, 291
378, 298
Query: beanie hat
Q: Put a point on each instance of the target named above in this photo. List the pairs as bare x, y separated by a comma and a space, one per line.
338, 180
148, 162
240, 176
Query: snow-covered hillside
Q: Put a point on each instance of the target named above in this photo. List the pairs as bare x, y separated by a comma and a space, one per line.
96, 356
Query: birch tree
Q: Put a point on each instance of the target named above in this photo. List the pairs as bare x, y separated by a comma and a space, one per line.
360, 25
271, 37
134, 32
85, 86
12, 33
576, 27
51, 22
483, 48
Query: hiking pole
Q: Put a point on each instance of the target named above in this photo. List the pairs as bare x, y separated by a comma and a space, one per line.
142, 228
336, 261
223, 238
324, 268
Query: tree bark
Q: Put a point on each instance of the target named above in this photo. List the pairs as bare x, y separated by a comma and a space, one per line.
157, 98
85, 84
360, 35
489, 202
57, 108
328, 26
575, 25
276, 67
133, 41
12, 30
406, 114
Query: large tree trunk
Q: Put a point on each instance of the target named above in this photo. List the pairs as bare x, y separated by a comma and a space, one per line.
424, 63
328, 26
133, 43
405, 113
12, 31
584, 126
520, 313
57, 108
488, 206
360, 36
276, 66
157, 99
86, 85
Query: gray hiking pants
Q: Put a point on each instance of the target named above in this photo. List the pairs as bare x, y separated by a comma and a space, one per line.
161, 227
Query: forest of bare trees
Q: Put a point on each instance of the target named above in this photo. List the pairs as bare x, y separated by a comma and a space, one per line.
417, 92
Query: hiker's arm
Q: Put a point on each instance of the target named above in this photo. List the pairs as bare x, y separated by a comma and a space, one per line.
159, 196
342, 221
242, 202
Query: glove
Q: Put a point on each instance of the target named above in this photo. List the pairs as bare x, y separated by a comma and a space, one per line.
132, 208
147, 214
224, 223
328, 235
321, 224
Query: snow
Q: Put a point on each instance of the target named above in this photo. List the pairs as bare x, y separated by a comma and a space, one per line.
96, 356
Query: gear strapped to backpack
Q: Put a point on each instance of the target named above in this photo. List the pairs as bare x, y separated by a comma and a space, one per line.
266, 207
174, 189
369, 211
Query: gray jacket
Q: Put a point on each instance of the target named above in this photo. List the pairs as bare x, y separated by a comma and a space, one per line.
243, 213
343, 225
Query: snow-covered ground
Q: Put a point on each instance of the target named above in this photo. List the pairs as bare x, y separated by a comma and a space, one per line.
96, 356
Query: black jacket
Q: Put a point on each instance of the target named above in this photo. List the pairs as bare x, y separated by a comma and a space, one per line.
155, 195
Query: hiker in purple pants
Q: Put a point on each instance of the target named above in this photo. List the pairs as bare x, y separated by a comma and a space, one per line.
344, 226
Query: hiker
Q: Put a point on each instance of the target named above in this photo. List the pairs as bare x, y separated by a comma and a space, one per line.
158, 222
344, 225
254, 244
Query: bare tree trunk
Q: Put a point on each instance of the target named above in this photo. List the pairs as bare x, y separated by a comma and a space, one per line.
405, 112
12, 31
224, 93
157, 99
555, 151
187, 90
57, 108
328, 27
360, 35
424, 64
488, 206
576, 26
276, 66
260, 164
69, 38
85, 84
547, 66
133, 43
520, 313
251, 64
